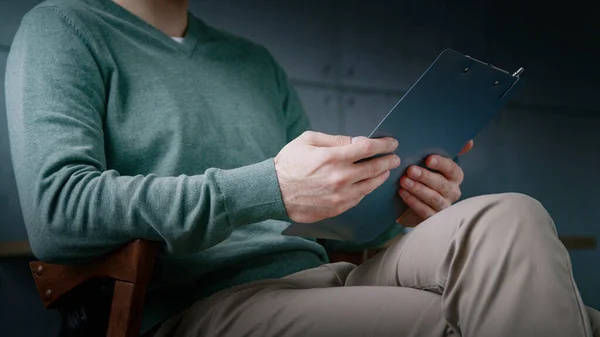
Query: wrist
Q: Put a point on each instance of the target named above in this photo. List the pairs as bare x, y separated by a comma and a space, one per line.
251, 193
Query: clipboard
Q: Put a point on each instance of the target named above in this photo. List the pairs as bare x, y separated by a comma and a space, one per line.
454, 99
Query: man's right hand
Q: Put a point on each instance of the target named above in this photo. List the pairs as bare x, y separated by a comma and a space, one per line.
319, 177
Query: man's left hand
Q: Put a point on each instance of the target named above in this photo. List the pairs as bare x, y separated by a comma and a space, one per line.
426, 192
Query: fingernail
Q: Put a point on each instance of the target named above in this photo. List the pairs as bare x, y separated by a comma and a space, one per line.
433, 161
415, 172
394, 143
397, 161
408, 183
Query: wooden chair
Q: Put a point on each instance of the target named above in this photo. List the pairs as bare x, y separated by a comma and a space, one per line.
112, 288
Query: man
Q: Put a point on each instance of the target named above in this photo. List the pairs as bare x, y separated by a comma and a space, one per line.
132, 119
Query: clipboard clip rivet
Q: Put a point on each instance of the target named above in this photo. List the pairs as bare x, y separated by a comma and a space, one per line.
465, 70
496, 83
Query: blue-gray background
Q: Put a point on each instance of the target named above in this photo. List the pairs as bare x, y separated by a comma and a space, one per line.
350, 62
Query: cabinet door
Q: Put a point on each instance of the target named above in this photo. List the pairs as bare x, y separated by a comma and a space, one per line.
299, 34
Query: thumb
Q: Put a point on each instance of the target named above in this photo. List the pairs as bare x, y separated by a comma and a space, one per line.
325, 140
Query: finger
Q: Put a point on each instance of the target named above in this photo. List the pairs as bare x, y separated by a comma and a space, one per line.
426, 194
421, 209
433, 180
324, 140
367, 186
467, 148
374, 167
446, 166
367, 148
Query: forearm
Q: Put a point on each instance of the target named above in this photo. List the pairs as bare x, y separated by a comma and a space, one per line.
80, 212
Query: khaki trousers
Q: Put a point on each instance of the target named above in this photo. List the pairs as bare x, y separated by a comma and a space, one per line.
487, 266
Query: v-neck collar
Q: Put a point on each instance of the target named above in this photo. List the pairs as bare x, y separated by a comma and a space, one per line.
187, 46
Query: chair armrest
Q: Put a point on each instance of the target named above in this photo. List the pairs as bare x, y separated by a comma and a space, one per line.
132, 263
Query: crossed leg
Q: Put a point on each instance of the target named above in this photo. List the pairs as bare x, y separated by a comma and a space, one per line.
487, 266
498, 264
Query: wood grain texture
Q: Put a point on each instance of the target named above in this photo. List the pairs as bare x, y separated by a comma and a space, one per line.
126, 310
132, 263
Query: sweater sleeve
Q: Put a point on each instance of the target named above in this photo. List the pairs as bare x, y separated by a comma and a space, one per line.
76, 208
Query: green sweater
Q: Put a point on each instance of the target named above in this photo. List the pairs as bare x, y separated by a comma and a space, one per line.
119, 132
